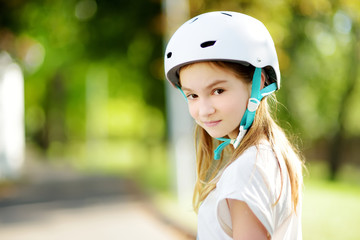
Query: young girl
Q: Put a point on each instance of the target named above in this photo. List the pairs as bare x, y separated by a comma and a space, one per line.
225, 64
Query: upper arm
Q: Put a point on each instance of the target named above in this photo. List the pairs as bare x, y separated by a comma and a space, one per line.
245, 225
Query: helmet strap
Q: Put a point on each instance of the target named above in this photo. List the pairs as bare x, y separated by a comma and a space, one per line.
182, 92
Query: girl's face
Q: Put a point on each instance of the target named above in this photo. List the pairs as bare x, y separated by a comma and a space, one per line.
217, 98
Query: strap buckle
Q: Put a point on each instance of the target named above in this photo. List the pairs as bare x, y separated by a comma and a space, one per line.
241, 135
253, 104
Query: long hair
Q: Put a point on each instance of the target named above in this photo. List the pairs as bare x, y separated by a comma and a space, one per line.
263, 126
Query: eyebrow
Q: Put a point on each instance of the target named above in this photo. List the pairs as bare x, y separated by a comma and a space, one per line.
216, 82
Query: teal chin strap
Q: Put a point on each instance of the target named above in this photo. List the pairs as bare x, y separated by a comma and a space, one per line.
218, 150
249, 115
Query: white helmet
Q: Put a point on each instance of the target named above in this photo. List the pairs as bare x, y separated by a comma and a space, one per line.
223, 36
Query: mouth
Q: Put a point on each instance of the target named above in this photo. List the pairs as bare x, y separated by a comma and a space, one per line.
211, 123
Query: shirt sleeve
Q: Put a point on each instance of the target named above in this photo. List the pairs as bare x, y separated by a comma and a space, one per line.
247, 180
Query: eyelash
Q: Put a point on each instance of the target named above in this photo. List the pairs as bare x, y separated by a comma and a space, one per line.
191, 96
217, 91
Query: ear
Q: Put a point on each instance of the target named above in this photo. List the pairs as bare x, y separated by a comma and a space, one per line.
262, 83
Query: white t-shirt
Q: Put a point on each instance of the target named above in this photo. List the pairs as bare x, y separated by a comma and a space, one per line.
255, 179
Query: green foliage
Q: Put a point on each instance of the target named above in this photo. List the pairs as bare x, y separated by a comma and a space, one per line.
60, 44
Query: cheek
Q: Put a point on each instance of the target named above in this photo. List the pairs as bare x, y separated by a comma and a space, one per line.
236, 107
192, 110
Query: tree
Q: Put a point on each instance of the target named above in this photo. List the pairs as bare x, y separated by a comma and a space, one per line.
59, 42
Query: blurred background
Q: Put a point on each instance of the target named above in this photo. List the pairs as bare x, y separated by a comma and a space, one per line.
94, 141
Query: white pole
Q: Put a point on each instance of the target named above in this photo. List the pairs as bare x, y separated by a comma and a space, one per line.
12, 132
180, 124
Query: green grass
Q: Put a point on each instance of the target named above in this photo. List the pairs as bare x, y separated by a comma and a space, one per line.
331, 210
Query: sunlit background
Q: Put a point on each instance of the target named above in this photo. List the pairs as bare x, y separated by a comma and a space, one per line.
84, 105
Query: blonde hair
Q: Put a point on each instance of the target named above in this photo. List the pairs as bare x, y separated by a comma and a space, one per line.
263, 126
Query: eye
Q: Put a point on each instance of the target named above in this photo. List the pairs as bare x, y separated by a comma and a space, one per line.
218, 91
191, 96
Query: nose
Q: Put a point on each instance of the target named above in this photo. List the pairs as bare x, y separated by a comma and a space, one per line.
206, 108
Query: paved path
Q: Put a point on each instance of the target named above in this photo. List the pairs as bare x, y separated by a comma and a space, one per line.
63, 205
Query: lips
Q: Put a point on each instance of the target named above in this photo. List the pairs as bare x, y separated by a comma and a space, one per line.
211, 123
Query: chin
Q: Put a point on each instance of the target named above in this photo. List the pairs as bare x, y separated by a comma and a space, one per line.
216, 135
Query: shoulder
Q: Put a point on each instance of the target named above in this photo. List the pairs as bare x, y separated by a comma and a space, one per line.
256, 168
260, 157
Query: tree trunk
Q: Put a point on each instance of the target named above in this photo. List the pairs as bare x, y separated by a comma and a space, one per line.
336, 143
54, 108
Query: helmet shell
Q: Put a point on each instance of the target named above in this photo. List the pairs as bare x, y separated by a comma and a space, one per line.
221, 36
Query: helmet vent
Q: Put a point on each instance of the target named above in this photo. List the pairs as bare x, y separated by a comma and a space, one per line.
227, 14
169, 54
194, 20
207, 44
